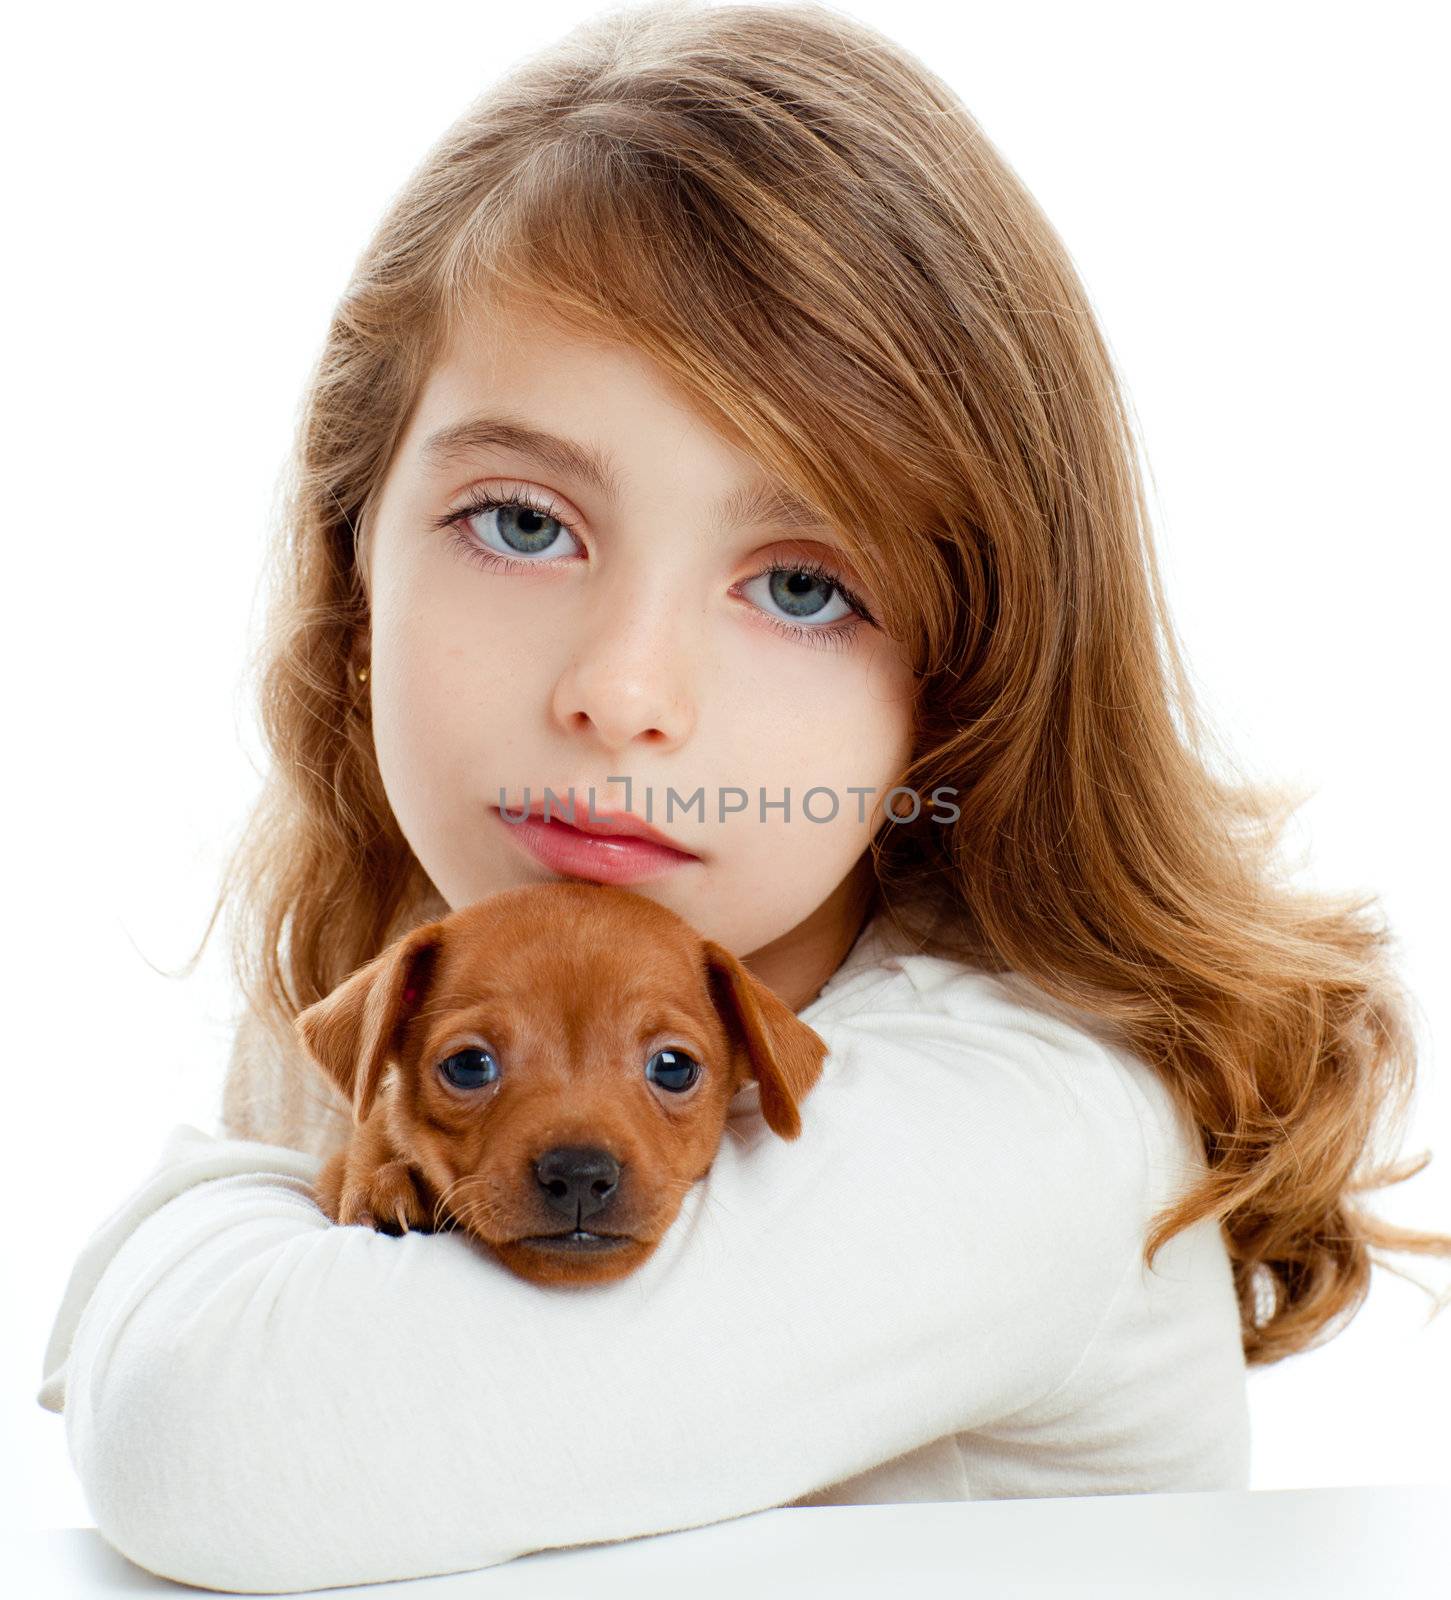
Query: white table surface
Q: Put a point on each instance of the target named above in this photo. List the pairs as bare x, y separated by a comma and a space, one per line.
1383, 1542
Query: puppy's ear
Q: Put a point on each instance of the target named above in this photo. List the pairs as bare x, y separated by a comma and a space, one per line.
785, 1055
353, 1032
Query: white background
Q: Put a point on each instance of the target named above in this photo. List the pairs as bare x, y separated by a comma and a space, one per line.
1254, 195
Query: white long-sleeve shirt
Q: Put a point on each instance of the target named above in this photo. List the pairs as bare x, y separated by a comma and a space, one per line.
935, 1293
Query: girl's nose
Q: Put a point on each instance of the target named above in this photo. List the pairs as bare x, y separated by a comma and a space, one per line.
629, 677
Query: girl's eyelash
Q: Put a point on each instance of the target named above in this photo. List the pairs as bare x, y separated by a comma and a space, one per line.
482, 500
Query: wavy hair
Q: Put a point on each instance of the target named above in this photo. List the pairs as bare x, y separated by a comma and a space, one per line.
810, 233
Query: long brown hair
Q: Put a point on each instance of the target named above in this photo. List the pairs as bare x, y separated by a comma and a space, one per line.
809, 232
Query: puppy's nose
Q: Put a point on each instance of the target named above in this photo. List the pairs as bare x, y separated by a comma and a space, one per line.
577, 1180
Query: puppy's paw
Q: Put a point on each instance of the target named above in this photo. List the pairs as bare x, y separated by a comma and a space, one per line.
327, 1188
354, 1188
391, 1198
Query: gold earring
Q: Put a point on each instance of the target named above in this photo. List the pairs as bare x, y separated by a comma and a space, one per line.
362, 674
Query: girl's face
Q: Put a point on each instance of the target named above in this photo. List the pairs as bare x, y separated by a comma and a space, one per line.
623, 624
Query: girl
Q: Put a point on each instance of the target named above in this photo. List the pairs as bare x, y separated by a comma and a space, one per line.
714, 410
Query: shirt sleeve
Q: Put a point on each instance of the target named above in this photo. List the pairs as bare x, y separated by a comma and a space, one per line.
257, 1399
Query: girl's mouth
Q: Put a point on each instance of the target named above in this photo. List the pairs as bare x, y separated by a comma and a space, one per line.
595, 857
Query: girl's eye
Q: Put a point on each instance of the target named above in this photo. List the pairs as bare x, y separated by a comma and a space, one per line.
806, 589
804, 592
527, 527
524, 529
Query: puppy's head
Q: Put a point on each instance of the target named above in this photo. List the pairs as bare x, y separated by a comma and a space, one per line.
559, 1062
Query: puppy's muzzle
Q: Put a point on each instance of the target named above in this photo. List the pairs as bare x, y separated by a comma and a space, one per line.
579, 1182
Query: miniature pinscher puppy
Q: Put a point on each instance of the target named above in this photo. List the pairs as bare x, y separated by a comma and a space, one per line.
549, 1068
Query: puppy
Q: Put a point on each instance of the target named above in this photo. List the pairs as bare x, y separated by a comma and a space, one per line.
549, 1068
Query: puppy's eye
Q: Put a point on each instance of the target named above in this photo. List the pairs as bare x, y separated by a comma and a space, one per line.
673, 1070
469, 1069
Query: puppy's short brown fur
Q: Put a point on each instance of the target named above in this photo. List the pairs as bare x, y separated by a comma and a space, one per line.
562, 1059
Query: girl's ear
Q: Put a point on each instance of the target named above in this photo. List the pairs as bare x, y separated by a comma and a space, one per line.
356, 1030
785, 1055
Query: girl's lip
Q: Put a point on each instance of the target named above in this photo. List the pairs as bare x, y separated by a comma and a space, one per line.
598, 857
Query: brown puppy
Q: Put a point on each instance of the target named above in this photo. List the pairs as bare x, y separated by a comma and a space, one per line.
563, 1058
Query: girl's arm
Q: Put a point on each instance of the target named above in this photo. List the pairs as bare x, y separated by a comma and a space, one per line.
256, 1399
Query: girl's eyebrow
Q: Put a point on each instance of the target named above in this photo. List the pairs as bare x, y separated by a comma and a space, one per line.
753, 504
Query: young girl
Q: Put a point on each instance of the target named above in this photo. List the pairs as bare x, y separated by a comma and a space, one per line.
714, 410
